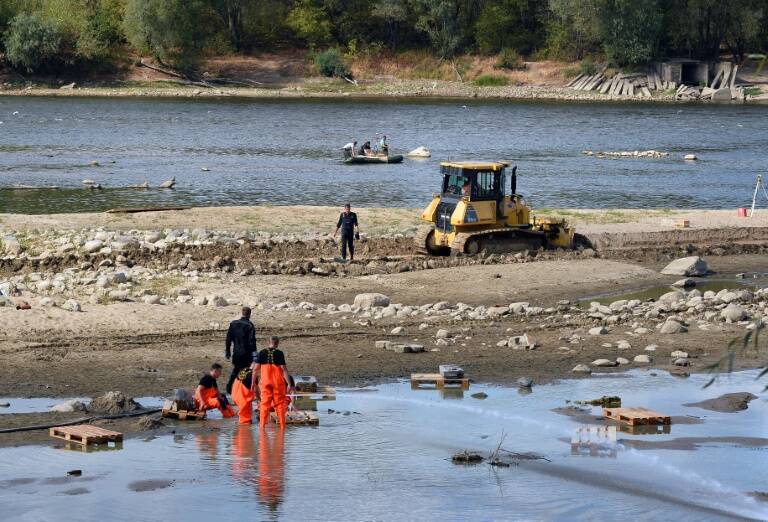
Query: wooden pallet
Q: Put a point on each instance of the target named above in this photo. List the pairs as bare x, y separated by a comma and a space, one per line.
419, 380
86, 434
297, 417
325, 391
183, 414
636, 416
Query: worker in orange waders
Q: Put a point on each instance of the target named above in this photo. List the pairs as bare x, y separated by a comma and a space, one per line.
244, 393
207, 396
273, 381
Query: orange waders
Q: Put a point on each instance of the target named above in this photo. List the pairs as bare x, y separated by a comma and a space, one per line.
211, 401
243, 397
272, 390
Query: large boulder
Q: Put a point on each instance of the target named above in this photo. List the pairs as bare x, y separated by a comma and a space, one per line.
687, 266
93, 246
365, 301
672, 327
603, 363
733, 313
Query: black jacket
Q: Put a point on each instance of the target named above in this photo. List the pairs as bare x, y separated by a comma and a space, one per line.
241, 334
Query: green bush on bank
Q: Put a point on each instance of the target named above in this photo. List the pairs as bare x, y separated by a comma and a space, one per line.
329, 63
491, 80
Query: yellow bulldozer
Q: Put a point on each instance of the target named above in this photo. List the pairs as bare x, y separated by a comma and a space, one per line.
473, 214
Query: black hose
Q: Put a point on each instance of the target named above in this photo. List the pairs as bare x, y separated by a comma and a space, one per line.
82, 421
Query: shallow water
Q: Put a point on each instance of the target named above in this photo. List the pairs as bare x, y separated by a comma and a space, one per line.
654, 292
286, 151
44, 404
391, 462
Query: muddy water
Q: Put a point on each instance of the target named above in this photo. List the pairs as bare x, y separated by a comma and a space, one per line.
390, 461
288, 151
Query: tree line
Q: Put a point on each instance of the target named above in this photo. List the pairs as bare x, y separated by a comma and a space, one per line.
51, 35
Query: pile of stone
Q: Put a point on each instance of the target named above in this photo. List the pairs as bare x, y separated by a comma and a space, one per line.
722, 88
627, 154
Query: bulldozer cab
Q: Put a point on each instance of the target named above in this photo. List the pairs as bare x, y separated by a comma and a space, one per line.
475, 181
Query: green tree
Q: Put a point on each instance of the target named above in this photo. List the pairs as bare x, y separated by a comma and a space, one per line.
572, 28
310, 22
439, 19
513, 24
393, 13
32, 43
173, 31
629, 30
231, 13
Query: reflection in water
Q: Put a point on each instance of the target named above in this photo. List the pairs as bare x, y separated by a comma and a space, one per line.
267, 474
271, 468
207, 443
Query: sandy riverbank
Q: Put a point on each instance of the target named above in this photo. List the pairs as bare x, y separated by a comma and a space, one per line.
338, 90
155, 292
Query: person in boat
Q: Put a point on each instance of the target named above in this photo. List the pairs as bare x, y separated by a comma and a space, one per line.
350, 230
207, 395
273, 379
349, 149
366, 150
383, 146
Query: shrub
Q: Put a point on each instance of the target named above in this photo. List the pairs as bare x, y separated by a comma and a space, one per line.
509, 59
587, 67
491, 80
329, 63
32, 42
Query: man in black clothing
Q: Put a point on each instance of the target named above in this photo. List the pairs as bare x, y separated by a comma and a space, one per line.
241, 334
349, 232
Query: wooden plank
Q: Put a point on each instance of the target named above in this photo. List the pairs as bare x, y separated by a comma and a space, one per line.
325, 391
636, 416
144, 209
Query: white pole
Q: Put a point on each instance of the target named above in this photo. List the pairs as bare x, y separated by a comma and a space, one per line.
754, 196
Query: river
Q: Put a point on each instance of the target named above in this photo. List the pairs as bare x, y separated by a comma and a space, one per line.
287, 151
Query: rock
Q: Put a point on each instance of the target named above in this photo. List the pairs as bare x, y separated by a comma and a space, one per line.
497, 311
151, 299
692, 157
201, 300
118, 278
442, 334
651, 348
93, 245
406, 348
598, 330
672, 327
217, 300
684, 283
366, 301
169, 183
524, 382
479, 395
383, 344
399, 330
11, 245
153, 236
581, 368
733, 313
69, 406
687, 266
466, 457
641, 359
623, 345
727, 403
671, 297
681, 362
5, 404
118, 295
679, 354
603, 363
114, 402
71, 305
622, 360
47, 302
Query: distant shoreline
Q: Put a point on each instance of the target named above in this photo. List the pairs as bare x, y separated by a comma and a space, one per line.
410, 89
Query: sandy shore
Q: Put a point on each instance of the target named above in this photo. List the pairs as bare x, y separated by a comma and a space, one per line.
338, 89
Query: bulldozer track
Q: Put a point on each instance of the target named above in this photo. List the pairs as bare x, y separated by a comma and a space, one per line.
459, 244
420, 240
